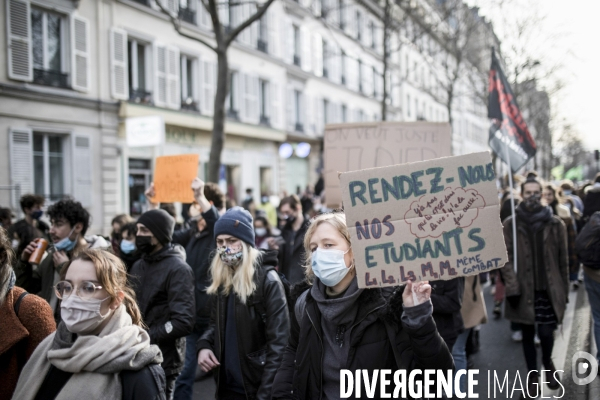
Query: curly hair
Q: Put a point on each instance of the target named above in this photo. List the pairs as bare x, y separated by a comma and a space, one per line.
213, 193
6, 258
31, 200
72, 211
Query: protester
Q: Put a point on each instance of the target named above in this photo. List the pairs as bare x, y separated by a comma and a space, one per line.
537, 292
263, 232
31, 226
337, 325
446, 297
6, 217
307, 200
269, 210
569, 190
128, 252
70, 222
100, 349
291, 252
164, 287
199, 245
248, 202
250, 321
588, 246
115, 236
26, 321
591, 202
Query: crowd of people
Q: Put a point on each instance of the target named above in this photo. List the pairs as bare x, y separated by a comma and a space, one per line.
264, 297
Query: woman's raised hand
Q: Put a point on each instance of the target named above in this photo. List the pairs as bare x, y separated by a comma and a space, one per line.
416, 293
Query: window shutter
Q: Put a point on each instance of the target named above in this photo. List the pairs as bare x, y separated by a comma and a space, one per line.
316, 7
273, 33
275, 114
352, 73
223, 12
160, 75
306, 56
320, 117
208, 87
318, 54
245, 106
335, 66
80, 54
172, 6
18, 21
82, 170
289, 41
119, 82
303, 111
204, 17
21, 162
173, 78
196, 81
237, 93
349, 10
290, 106
255, 117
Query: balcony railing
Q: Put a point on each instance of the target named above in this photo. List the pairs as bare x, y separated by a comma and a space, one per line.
189, 104
50, 78
233, 114
187, 15
140, 96
297, 60
264, 120
262, 46
144, 2
299, 127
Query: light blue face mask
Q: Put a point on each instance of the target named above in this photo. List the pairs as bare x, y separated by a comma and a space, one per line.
66, 243
329, 266
127, 246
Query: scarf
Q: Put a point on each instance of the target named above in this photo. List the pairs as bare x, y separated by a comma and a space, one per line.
95, 361
534, 220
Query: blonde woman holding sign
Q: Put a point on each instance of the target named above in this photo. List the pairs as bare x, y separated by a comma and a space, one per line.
335, 325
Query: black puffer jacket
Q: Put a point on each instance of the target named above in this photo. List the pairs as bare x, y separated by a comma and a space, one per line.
379, 340
262, 330
446, 297
199, 249
164, 288
291, 253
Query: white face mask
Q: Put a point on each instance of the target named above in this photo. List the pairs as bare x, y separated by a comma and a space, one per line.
82, 316
329, 266
260, 231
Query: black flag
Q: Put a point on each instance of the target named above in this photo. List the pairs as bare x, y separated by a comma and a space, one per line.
508, 126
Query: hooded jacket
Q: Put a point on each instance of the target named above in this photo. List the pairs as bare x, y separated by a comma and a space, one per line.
164, 288
262, 331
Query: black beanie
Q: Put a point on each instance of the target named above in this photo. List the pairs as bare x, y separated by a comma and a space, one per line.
236, 222
160, 223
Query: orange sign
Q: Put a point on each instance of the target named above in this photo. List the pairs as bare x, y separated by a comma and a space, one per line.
173, 176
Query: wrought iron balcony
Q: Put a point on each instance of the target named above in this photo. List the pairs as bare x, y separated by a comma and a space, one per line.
189, 104
144, 2
187, 15
262, 46
299, 127
264, 120
140, 96
50, 78
297, 61
233, 114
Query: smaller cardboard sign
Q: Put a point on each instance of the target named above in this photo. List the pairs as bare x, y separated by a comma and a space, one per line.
429, 220
173, 176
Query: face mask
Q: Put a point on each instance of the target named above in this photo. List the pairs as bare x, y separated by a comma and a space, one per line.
66, 244
264, 200
127, 246
144, 244
228, 256
567, 192
81, 316
290, 218
533, 202
37, 214
260, 231
329, 266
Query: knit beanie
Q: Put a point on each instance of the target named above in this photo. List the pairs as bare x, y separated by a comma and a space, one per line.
160, 223
236, 222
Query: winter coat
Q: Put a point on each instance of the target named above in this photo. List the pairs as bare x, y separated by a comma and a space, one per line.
291, 253
164, 288
446, 297
521, 282
40, 280
262, 331
199, 248
20, 335
378, 340
591, 202
473, 309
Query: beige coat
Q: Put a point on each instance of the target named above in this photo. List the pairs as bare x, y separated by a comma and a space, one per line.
521, 283
473, 304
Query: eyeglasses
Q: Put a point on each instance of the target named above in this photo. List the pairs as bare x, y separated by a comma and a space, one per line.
86, 290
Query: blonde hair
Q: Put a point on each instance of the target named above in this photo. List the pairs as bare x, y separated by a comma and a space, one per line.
241, 279
338, 221
112, 275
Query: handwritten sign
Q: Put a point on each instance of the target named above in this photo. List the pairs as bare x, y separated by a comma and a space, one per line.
173, 176
357, 146
429, 220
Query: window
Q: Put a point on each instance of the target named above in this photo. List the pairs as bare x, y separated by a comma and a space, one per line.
343, 67
342, 11
48, 48
232, 106
298, 111
408, 105
375, 80
188, 77
48, 166
344, 113
186, 12
372, 31
325, 59
263, 34
326, 117
138, 69
358, 26
263, 99
360, 76
297, 46
361, 115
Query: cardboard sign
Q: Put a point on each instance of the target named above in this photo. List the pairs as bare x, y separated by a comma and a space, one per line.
173, 177
352, 147
428, 220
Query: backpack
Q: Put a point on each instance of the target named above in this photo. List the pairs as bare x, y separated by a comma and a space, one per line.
258, 301
587, 244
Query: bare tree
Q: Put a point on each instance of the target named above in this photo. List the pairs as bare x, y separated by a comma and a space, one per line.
223, 37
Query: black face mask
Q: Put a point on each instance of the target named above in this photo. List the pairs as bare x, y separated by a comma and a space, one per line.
144, 245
